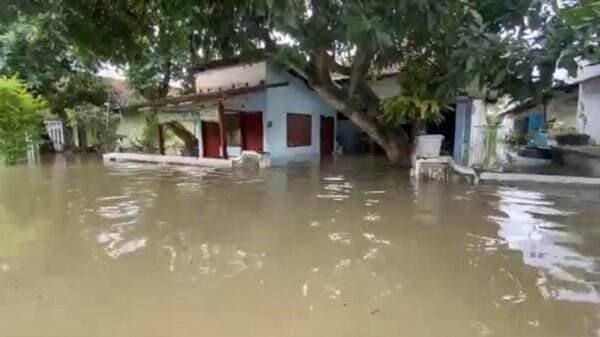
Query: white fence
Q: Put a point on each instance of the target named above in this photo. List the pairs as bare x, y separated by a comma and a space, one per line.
54, 129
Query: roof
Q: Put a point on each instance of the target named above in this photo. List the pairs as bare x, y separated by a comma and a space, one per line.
532, 103
188, 102
125, 95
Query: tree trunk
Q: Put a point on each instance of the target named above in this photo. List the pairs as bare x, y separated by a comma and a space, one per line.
354, 101
394, 142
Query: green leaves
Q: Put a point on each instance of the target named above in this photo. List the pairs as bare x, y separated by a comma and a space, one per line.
406, 109
21, 117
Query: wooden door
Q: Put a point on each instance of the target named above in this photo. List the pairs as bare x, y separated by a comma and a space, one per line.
252, 131
327, 135
211, 140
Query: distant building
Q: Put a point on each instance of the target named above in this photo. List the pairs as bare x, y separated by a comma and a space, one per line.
588, 107
557, 112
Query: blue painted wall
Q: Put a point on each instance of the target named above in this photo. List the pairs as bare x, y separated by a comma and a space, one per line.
298, 98
462, 133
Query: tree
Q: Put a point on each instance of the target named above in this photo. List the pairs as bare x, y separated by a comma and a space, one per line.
33, 46
506, 46
21, 116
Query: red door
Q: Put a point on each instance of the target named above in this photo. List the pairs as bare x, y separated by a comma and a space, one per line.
252, 131
327, 135
211, 140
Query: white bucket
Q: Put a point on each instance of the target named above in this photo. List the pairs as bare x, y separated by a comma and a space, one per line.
428, 146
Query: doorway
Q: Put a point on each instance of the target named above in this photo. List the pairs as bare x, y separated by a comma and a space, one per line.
211, 140
252, 131
327, 135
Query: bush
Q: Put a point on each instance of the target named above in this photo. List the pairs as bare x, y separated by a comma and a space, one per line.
21, 116
516, 139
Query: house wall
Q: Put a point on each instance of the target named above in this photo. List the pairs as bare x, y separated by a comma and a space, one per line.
131, 128
251, 102
589, 108
225, 77
298, 98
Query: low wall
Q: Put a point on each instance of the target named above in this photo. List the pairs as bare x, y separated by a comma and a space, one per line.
537, 178
584, 159
159, 159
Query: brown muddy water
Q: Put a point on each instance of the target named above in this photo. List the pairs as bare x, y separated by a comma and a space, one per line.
347, 248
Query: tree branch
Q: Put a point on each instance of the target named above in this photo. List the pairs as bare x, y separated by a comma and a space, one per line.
360, 68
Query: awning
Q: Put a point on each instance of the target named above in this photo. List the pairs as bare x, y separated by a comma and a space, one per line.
180, 102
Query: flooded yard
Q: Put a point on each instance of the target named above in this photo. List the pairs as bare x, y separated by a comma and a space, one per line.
346, 248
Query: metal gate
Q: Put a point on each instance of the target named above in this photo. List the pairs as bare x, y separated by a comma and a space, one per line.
54, 128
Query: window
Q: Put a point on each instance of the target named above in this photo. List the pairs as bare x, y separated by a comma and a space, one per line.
298, 130
233, 132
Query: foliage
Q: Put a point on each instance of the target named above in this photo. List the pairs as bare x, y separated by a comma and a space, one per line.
148, 142
516, 139
404, 109
584, 20
34, 47
100, 124
21, 116
417, 101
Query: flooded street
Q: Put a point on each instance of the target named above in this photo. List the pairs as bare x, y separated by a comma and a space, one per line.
347, 248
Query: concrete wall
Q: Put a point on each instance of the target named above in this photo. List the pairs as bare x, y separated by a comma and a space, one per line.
225, 77
589, 107
298, 98
131, 128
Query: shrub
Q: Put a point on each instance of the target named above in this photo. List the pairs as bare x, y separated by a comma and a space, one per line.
516, 139
21, 116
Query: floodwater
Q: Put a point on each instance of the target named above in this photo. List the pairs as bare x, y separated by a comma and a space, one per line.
346, 248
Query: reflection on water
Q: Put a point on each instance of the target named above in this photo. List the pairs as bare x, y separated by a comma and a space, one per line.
347, 248
564, 273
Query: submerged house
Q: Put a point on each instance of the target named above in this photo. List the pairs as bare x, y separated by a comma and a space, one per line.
260, 106
254, 106
556, 113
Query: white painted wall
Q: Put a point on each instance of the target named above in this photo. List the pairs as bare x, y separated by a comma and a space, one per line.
225, 77
589, 106
477, 141
298, 98
587, 72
